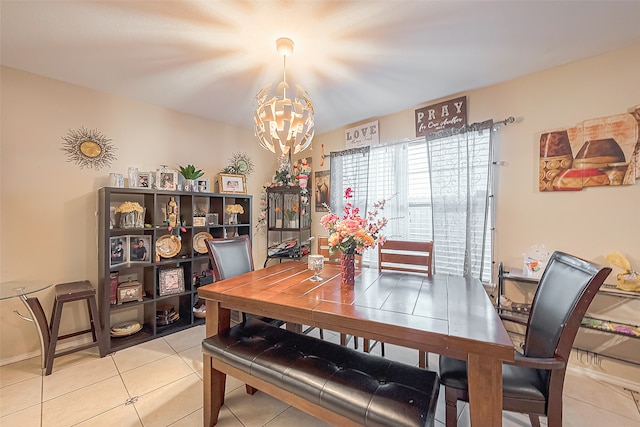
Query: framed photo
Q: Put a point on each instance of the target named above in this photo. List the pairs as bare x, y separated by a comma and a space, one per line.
171, 281
139, 248
204, 186
145, 179
119, 250
232, 184
322, 190
166, 179
212, 219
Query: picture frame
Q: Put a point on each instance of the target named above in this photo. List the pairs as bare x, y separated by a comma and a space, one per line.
212, 219
145, 180
204, 185
118, 250
232, 184
199, 221
171, 281
166, 179
140, 249
322, 190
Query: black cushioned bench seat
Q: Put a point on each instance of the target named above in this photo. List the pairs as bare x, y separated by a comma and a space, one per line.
364, 388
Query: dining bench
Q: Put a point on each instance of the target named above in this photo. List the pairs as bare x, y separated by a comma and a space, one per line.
335, 383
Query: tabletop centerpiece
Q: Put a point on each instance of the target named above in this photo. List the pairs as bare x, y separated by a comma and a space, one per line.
233, 211
131, 215
352, 234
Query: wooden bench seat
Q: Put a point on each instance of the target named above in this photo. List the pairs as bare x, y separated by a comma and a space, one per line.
332, 382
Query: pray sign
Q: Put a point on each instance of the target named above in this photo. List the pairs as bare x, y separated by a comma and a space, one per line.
445, 115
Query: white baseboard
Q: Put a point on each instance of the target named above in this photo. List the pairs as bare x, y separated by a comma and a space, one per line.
61, 346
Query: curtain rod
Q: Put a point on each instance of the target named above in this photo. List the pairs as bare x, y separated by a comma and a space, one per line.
505, 122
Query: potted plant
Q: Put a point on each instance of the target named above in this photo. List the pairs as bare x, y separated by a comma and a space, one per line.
190, 174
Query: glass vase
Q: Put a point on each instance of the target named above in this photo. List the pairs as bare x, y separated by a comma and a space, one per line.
348, 269
128, 220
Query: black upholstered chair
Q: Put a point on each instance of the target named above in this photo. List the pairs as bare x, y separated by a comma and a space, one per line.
231, 257
533, 383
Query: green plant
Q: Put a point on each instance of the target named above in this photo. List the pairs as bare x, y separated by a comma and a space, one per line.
190, 172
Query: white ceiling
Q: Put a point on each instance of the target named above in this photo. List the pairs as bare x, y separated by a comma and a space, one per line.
357, 59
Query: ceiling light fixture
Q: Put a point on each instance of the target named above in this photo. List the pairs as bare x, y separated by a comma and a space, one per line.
284, 126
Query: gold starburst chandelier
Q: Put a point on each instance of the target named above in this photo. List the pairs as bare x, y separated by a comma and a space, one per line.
284, 126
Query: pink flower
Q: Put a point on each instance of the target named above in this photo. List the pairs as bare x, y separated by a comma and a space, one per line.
352, 233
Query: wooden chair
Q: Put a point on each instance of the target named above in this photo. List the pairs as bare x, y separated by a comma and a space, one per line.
533, 383
323, 249
411, 256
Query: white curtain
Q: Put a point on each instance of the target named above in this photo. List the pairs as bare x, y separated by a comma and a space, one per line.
388, 180
460, 174
349, 169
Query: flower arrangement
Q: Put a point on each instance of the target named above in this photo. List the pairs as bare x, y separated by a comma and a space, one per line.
352, 234
127, 207
235, 209
261, 225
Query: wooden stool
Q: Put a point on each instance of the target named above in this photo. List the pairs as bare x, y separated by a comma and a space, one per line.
68, 292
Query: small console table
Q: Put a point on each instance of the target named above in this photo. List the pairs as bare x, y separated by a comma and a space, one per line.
24, 290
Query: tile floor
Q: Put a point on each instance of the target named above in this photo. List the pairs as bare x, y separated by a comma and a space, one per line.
159, 383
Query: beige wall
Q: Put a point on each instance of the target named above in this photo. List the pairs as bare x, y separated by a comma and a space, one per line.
48, 205
589, 223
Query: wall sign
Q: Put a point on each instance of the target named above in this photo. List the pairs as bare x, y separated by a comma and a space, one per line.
444, 115
362, 135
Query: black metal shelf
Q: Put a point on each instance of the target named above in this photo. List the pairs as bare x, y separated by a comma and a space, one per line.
521, 310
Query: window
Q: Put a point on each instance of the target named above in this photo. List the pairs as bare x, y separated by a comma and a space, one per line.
416, 179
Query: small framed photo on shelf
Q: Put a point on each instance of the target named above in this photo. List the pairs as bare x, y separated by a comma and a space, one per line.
171, 281
166, 179
139, 247
232, 184
119, 250
212, 219
204, 185
145, 179
199, 221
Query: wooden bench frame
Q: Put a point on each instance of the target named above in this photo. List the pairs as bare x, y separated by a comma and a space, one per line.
218, 364
219, 370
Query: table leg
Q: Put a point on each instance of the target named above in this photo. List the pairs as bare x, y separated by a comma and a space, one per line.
294, 327
217, 319
485, 390
40, 319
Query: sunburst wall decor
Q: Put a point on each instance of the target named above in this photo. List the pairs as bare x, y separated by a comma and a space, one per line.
88, 148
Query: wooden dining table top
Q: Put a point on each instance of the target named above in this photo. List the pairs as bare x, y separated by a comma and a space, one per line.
447, 315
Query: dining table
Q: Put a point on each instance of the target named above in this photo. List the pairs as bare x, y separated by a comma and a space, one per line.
443, 314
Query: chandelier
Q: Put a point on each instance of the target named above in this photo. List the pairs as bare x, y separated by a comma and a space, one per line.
284, 126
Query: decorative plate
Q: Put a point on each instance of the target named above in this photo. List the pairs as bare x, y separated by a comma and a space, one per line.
168, 246
199, 244
124, 329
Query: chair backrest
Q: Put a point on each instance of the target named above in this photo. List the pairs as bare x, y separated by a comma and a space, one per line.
406, 256
567, 287
230, 257
323, 249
